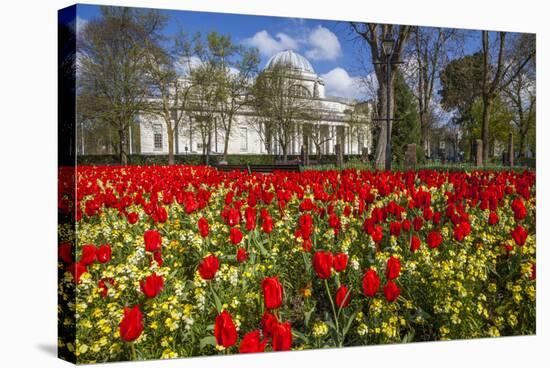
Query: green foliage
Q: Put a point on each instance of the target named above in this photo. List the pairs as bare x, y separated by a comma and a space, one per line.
407, 129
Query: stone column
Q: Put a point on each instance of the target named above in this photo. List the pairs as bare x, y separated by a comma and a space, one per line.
511, 150
410, 156
339, 156
479, 152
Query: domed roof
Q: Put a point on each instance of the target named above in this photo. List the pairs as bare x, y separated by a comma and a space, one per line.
289, 57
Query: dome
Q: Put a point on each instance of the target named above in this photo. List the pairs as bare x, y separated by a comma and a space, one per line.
289, 57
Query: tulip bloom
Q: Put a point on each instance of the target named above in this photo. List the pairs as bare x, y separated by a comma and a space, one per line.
434, 239
343, 297
152, 285
235, 235
322, 264
269, 321
103, 253
208, 267
391, 291
371, 283
519, 235
203, 227
152, 240
273, 292
340, 262
225, 331
242, 256
88, 254
131, 325
282, 337
393, 267
252, 343
415, 243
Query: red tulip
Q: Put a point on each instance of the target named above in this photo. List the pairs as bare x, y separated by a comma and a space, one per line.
65, 252
322, 264
77, 269
225, 330
267, 224
203, 227
434, 239
132, 218
103, 253
208, 267
415, 243
493, 219
235, 235
282, 337
242, 256
152, 285
131, 324
519, 235
252, 343
340, 262
269, 321
273, 292
391, 291
377, 234
88, 254
393, 267
371, 283
343, 297
153, 240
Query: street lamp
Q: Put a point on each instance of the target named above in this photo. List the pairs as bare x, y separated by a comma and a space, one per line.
387, 47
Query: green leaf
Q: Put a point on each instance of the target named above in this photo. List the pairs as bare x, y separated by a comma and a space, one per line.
350, 321
307, 316
208, 340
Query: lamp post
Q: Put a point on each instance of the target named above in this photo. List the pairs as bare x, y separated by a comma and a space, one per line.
387, 47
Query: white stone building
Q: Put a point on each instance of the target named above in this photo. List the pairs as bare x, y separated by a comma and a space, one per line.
245, 139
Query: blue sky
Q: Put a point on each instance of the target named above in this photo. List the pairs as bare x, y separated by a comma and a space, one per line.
328, 45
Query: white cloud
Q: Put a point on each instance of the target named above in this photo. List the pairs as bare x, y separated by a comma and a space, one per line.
268, 45
184, 65
339, 83
324, 44
80, 24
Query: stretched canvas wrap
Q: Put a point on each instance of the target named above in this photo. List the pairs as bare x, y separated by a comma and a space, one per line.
234, 184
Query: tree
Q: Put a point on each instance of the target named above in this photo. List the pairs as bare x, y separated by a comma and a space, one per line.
407, 128
374, 34
236, 67
521, 94
429, 51
497, 78
168, 94
112, 66
461, 87
499, 123
280, 106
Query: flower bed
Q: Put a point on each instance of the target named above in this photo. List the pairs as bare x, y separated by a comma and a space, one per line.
185, 260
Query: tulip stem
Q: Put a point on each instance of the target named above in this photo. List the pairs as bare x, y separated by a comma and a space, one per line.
133, 352
334, 313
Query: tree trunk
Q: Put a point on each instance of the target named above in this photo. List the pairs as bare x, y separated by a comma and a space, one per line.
123, 157
170, 133
380, 153
488, 102
226, 144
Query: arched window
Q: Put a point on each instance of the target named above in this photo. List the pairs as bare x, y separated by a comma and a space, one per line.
299, 90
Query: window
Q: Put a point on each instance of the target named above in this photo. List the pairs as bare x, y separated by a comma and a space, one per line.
298, 90
244, 139
157, 137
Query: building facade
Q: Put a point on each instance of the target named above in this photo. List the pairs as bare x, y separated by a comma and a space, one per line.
333, 124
